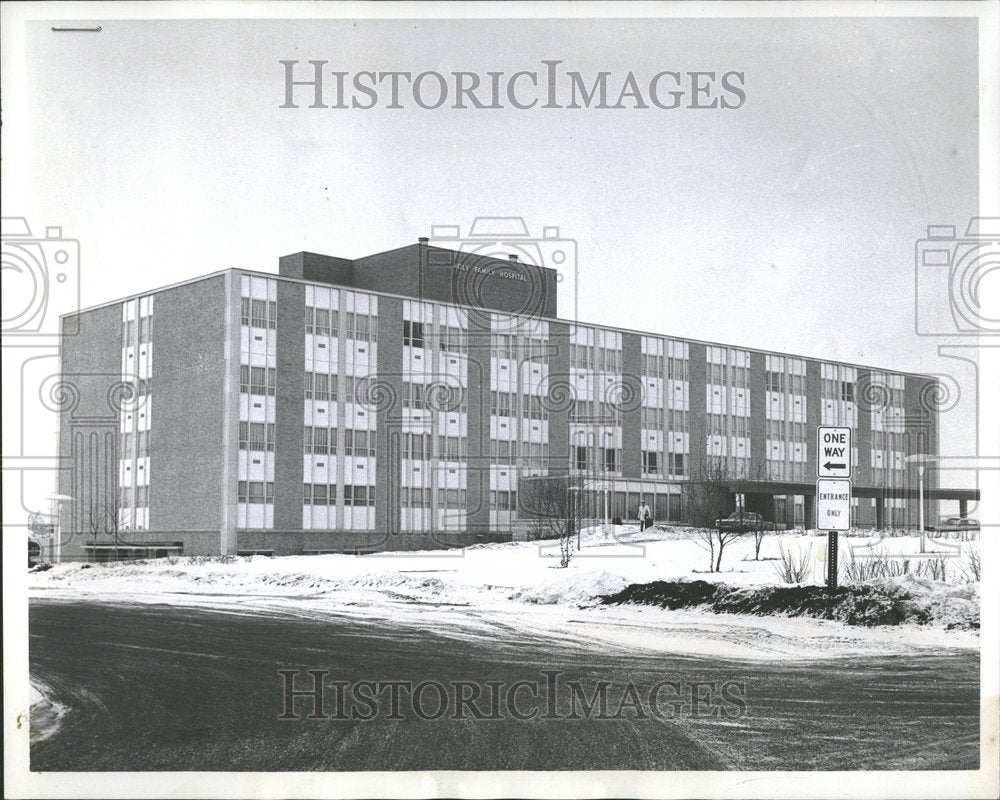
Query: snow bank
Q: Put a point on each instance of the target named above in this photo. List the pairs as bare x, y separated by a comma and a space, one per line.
463, 590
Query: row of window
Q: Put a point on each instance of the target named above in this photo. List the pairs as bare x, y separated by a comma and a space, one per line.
325, 494
652, 366
323, 441
326, 387
653, 463
720, 425
595, 359
451, 339
727, 374
531, 452
780, 382
447, 398
594, 410
790, 432
533, 348
326, 322
504, 404
837, 390
610, 458
678, 420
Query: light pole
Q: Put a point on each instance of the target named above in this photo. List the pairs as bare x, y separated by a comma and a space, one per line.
921, 460
55, 514
607, 488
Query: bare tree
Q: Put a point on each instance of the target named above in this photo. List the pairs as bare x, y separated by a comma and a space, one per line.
759, 527
103, 520
708, 501
551, 503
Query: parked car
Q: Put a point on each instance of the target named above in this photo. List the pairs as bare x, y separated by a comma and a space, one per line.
957, 524
743, 521
34, 553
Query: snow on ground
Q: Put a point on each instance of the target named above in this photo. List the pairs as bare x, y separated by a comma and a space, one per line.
45, 714
498, 590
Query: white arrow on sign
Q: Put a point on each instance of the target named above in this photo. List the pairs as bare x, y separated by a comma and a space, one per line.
833, 452
833, 504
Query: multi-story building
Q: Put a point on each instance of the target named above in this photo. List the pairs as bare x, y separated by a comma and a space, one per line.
404, 399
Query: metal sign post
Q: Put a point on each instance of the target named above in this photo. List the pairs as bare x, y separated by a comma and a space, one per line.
834, 465
831, 560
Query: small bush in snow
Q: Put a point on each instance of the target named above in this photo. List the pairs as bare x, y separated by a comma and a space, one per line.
793, 568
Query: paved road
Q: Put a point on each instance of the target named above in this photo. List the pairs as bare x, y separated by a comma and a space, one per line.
165, 688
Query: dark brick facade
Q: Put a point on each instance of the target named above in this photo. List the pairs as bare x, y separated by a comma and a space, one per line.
88, 403
188, 407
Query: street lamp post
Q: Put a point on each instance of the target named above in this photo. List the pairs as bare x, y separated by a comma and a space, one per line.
921, 460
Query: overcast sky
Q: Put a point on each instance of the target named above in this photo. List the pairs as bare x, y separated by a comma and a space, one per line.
787, 224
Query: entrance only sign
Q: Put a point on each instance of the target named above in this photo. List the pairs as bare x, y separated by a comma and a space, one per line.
833, 504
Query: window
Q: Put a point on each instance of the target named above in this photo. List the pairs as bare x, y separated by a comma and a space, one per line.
417, 446
532, 407
255, 492
257, 436
775, 382
582, 459
677, 369
257, 380
580, 356
359, 495
359, 443
361, 327
847, 391
451, 448
454, 340
414, 498
321, 321
503, 500
144, 329
503, 345
610, 459
650, 462
258, 313
452, 498
413, 395
320, 441
319, 494
652, 418
320, 386
678, 463
678, 421
502, 404
413, 333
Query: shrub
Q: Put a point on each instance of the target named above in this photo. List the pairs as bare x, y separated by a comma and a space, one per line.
793, 568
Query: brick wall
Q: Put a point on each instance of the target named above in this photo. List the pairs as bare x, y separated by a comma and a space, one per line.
188, 407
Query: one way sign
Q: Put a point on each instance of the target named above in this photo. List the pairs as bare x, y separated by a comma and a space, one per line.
833, 452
